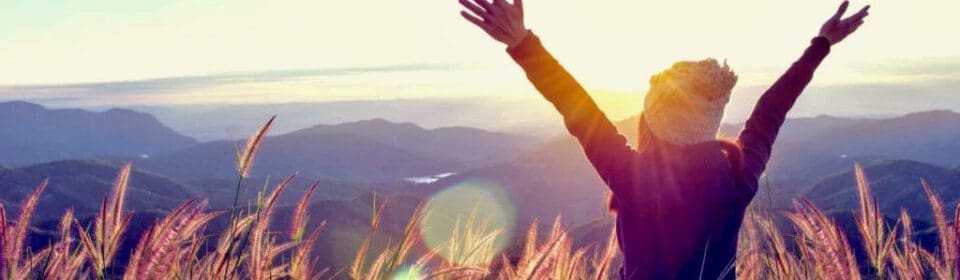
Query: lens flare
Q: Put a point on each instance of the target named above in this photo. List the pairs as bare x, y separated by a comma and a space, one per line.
408, 274
469, 223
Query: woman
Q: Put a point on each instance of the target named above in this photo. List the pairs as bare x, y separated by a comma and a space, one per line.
680, 198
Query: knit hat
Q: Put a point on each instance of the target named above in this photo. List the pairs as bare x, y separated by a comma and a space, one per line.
685, 103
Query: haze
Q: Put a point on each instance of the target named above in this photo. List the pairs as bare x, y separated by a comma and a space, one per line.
123, 53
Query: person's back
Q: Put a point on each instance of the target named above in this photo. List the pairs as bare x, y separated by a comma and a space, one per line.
681, 197
682, 219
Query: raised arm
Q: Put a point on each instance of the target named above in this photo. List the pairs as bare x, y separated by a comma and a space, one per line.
764, 123
606, 149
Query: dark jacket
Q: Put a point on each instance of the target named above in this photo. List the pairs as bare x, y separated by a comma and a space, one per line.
679, 207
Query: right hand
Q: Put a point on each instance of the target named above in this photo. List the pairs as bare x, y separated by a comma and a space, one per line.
501, 20
837, 28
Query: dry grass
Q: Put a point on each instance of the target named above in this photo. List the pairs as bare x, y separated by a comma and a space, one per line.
174, 247
822, 251
245, 159
109, 226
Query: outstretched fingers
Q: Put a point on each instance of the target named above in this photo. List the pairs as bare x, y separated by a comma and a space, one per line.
864, 12
855, 25
837, 27
490, 29
483, 14
501, 19
841, 10
504, 5
477, 21
485, 4
501, 7
473, 8
853, 22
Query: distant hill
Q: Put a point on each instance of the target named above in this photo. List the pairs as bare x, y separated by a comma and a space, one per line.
817, 147
526, 115
809, 149
30, 133
220, 192
82, 184
366, 151
895, 183
556, 177
552, 179
348, 157
468, 146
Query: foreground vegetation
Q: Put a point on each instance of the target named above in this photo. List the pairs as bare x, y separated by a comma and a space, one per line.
179, 245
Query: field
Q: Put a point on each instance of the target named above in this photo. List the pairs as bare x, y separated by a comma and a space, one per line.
178, 246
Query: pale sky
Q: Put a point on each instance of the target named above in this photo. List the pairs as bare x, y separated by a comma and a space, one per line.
243, 51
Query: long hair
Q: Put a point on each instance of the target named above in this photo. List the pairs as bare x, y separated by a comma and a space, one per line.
645, 140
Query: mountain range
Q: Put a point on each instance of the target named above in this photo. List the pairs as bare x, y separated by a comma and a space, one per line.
811, 154
360, 163
365, 151
82, 185
219, 122
808, 149
931, 137
30, 133
895, 184
81, 151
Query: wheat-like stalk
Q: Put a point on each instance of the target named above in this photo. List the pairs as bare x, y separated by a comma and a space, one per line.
825, 242
4, 233
603, 264
14, 265
245, 159
298, 225
109, 226
244, 163
359, 261
944, 265
160, 247
877, 242
300, 266
262, 248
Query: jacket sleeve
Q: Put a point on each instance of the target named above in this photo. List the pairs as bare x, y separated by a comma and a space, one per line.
761, 128
605, 148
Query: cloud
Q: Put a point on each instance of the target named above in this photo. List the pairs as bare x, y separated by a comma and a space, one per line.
928, 67
172, 86
858, 100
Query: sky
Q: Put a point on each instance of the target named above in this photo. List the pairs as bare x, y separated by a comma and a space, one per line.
85, 53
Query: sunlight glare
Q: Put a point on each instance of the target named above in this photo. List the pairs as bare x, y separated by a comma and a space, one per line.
409, 273
469, 223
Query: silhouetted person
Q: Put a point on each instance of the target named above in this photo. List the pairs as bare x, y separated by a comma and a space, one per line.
681, 196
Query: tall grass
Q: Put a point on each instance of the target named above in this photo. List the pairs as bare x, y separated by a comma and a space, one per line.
244, 164
823, 251
179, 246
109, 226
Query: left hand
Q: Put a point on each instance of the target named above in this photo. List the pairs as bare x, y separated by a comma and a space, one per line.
837, 28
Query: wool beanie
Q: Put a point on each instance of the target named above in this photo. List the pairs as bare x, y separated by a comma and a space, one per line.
685, 103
